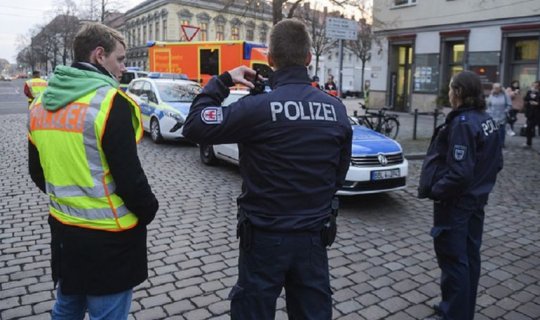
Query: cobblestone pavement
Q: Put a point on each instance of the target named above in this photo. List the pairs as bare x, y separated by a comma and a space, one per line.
382, 265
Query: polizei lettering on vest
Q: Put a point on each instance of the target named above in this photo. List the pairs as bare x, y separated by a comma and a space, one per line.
298, 110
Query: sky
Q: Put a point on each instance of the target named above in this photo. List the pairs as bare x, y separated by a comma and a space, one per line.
18, 17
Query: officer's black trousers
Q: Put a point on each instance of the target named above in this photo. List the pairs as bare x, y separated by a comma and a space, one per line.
533, 121
295, 261
457, 234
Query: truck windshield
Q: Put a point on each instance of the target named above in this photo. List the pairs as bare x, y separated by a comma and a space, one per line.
176, 92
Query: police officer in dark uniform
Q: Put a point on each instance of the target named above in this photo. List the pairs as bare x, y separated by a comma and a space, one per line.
295, 151
458, 173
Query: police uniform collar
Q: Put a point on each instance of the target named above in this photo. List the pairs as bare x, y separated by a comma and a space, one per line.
455, 113
289, 75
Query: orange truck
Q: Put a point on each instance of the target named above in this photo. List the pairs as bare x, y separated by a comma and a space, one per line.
200, 60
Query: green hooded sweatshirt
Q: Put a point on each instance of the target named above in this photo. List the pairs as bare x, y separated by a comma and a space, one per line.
69, 84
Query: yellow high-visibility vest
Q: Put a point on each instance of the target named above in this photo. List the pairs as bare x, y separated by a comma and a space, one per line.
36, 86
77, 177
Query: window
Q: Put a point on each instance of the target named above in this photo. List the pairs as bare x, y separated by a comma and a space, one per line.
250, 35
235, 33
184, 22
150, 34
209, 61
139, 36
165, 35
157, 30
220, 32
524, 56
456, 61
144, 38
404, 2
203, 32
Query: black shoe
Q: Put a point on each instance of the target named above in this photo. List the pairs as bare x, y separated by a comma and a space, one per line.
437, 309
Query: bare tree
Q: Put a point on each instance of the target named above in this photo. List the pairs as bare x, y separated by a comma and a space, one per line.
361, 47
315, 20
97, 10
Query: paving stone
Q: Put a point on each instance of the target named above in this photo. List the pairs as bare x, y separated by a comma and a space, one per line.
382, 265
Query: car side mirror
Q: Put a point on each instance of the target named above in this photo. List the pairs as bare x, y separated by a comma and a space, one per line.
144, 98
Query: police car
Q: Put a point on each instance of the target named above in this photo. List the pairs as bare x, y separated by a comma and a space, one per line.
377, 162
164, 105
130, 74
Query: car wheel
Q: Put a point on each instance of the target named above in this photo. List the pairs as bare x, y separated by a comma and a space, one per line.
155, 132
208, 156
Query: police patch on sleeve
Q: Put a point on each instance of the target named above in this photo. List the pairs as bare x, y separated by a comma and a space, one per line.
212, 115
460, 152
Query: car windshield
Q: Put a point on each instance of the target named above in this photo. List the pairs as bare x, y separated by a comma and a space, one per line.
178, 92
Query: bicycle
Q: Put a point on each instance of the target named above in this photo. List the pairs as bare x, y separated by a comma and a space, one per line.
380, 121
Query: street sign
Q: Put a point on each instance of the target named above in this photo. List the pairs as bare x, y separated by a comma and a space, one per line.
339, 28
189, 31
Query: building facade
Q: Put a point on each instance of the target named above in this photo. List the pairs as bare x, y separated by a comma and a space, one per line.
422, 43
162, 20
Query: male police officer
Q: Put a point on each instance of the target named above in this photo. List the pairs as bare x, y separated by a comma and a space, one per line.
295, 151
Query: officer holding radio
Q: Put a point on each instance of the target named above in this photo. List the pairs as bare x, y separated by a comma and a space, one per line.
295, 144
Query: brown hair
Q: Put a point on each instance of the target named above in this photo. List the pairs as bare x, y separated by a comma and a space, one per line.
468, 87
289, 43
93, 35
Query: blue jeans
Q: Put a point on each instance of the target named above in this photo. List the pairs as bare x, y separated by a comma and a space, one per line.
106, 307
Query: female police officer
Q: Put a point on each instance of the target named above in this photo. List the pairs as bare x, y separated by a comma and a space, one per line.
458, 173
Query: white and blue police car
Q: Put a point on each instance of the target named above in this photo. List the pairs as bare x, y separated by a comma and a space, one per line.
377, 162
164, 105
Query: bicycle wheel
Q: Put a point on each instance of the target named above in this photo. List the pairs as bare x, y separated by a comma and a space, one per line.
390, 127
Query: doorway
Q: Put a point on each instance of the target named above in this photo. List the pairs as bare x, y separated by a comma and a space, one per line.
400, 77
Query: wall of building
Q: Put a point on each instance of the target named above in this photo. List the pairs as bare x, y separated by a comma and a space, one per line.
441, 12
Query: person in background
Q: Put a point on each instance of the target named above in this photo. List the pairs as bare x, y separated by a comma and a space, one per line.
330, 86
517, 105
498, 106
458, 174
34, 86
532, 111
82, 153
291, 167
315, 82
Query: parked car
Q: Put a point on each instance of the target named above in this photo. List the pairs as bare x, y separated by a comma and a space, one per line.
377, 163
164, 105
130, 74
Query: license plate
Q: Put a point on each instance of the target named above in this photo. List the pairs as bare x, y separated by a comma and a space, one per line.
385, 174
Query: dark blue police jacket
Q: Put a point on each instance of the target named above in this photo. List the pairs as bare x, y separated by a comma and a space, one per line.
463, 159
295, 147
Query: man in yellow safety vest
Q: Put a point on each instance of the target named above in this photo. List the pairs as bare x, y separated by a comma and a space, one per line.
82, 136
34, 87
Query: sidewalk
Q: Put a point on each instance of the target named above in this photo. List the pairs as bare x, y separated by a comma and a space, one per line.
415, 149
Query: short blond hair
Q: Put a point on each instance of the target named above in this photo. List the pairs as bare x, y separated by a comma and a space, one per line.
290, 43
93, 35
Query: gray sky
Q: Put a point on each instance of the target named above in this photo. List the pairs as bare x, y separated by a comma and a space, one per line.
18, 17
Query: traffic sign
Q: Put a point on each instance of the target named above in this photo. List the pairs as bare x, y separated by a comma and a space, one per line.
339, 28
189, 31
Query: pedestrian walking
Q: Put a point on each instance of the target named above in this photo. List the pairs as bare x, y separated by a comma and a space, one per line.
532, 111
34, 86
458, 173
82, 153
295, 145
498, 106
514, 92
